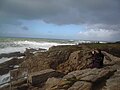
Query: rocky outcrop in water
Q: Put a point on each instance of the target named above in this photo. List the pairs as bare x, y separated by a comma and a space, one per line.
9, 65
14, 54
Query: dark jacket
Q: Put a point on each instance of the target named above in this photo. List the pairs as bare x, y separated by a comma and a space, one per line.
97, 60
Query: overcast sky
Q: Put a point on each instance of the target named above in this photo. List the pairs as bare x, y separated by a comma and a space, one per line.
62, 19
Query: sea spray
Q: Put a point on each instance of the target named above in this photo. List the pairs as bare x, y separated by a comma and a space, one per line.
21, 45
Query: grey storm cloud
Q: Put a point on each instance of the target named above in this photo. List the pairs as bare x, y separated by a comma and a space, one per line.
62, 11
100, 15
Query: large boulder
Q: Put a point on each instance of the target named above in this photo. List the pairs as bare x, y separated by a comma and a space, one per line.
77, 60
90, 75
42, 76
110, 59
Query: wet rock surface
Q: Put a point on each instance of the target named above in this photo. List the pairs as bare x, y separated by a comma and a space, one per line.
14, 54
17, 58
9, 65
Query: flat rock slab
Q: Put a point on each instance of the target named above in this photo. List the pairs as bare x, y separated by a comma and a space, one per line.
42, 76
90, 75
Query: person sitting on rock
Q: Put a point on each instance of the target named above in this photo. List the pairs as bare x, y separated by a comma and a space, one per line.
97, 59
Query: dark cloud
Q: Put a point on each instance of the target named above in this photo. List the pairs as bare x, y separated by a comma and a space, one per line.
95, 14
64, 11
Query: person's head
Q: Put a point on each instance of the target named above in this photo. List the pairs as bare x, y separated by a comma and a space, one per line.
93, 52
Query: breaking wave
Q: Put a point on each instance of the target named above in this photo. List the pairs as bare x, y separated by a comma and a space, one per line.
8, 47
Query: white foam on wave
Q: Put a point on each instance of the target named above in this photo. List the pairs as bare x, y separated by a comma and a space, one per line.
4, 78
2, 60
22, 45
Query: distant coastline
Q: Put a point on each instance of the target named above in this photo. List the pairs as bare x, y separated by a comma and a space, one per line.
56, 39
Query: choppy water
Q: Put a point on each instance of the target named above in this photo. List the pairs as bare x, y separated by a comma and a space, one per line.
8, 45
4, 78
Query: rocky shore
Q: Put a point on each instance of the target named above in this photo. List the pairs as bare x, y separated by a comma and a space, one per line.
16, 59
67, 68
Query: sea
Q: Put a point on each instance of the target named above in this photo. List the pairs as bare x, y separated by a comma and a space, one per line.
8, 45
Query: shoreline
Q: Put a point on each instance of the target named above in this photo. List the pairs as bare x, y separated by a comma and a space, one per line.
59, 58
13, 61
